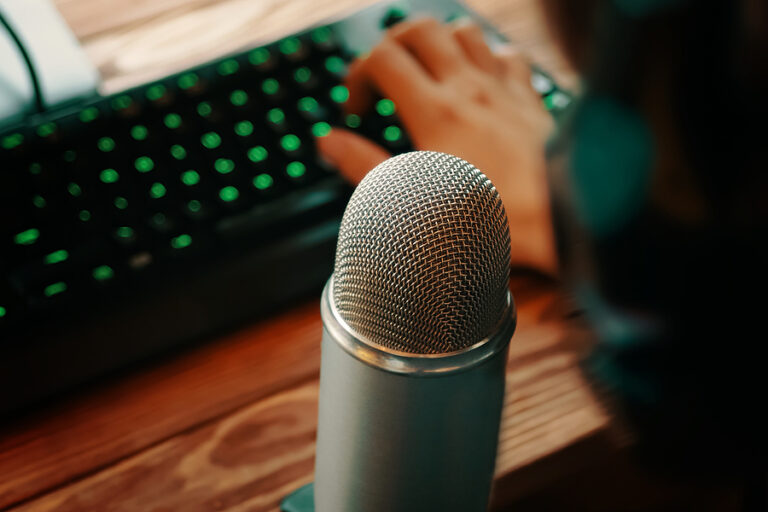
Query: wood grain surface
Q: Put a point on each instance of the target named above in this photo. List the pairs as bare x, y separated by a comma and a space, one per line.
193, 435
231, 425
132, 42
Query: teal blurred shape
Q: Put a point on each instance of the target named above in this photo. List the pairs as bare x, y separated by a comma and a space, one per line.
301, 500
641, 8
611, 160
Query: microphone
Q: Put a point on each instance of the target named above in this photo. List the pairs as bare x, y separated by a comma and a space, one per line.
417, 319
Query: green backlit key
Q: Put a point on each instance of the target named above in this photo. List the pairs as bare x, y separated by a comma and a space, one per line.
157, 190
210, 140
238, 98
55, 289
56, 257
270, 86
103, 273
257, 154
263, 181
290, 142
228, 67
261, 58
27, 237
144, 164
190, 178
139, 132
172, 121
244, 128
229, 194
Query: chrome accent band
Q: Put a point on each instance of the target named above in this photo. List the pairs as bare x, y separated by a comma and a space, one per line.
418, 365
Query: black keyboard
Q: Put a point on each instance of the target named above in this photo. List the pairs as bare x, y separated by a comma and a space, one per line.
168, 213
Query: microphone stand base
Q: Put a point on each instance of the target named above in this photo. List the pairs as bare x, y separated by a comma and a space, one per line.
300, 500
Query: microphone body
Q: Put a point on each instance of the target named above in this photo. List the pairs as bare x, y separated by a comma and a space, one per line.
417, 319
402, 432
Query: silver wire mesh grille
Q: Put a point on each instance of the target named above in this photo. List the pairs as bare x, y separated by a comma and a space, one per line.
422, 262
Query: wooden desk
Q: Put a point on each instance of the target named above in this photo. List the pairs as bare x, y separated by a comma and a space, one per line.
231, 425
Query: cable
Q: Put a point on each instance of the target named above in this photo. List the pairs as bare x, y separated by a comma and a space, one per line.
28, 61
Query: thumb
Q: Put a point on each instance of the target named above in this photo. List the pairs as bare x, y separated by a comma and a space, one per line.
352, 154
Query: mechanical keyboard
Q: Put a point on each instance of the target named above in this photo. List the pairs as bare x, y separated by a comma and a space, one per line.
133, 224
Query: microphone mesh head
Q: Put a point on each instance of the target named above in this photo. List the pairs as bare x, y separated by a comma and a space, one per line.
422, 262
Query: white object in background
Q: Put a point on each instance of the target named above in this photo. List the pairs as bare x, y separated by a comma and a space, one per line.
63, 69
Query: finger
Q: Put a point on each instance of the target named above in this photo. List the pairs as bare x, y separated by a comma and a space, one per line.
392, 71
433, 45
471, 39
513, 64
351, 153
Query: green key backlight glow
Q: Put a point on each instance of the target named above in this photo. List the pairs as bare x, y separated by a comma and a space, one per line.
103, 273
229, 193
257, 154
190, 178
121, 102
188, 80
308, 104
321, 129
12, 141
124, 232
224, 165
295, 169
109, 176
392, 133
339, 94
157, 190
321, 35
178, 152
290, 45
352, 120
89, 114
204, 109
228, 67
74, 189
155, 92
258, 56
335, 65
27, 237
270, 86
276, 116
244, 128
55, 289
211, 140
385, 107
139, 132
290, 142
144, 164
172, 121
46, 129
302, 75
56, 257
238, 98
181, 241
106, 144
263, 181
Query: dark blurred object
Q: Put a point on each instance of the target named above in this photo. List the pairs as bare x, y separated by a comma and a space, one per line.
661, 206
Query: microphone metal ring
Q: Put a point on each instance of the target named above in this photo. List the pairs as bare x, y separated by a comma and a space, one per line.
417, 365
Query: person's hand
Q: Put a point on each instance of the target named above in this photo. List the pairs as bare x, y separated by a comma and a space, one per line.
454, 95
